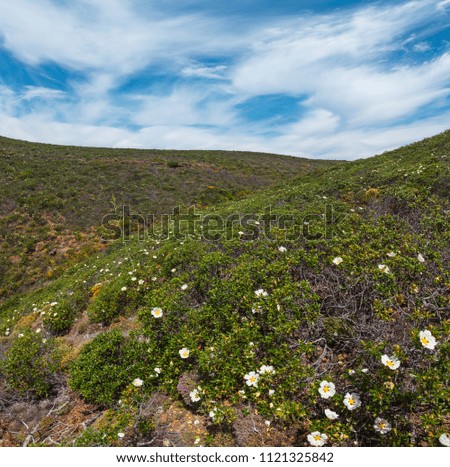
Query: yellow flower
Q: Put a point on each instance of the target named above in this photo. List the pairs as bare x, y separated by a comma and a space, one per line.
352, 401
382, 426
184, 352
327, 389
391, 362
157, 312
317, 439
252, 379
427, 339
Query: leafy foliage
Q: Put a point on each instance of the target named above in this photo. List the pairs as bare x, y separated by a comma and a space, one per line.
55, 197
30, 364
245, 328
105, 366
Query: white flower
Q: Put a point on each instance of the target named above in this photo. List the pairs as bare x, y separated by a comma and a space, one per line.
317, 439
351, 372
154, 278
331, 415
53, 303
256, 310
282, 249
384, 268
252, 379
157, 312
121, 435
352, 401
158, 370
337, 260
444, 439
134, 279
266, 369
391, 362
327, 389
194, 395
184, 352
271, 392
123, 289
261, 293
197, 440
137, 382
141, 282
427, 339
391, 254
240, 232
365, 370
212, 414
196, 422
420, 258
184, 287
267, 422
38, 330
382, 426
173, 270
20, 335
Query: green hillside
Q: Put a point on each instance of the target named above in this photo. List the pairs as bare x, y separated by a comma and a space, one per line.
316, 311
53, 198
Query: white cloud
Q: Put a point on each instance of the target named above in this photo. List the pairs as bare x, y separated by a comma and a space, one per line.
422, 47
443, 5
186, 105
212, 72
317, 136
366, 96
356, 94
33, 92
107, 35
8, 100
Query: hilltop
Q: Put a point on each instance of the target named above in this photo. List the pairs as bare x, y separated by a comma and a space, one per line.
315, 311
53, 198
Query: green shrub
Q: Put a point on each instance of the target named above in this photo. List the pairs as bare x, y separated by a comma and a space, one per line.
109, 303
59, 319
106, 365
30, 364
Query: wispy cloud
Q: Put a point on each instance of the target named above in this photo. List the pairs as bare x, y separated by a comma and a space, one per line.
213, 72
36, 92
365, 78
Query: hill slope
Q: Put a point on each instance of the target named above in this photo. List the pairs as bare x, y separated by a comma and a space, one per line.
53, 198
328, 296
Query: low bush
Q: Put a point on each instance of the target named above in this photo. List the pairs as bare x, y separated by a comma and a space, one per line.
106, 365
30, 364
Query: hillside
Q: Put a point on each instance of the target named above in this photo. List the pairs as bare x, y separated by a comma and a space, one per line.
53, 198
315, 311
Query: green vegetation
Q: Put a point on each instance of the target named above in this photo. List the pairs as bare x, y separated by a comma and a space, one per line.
348, 290
105, 366
30, 364
53, 198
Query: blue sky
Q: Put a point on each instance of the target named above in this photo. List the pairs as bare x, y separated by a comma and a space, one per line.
322, 79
